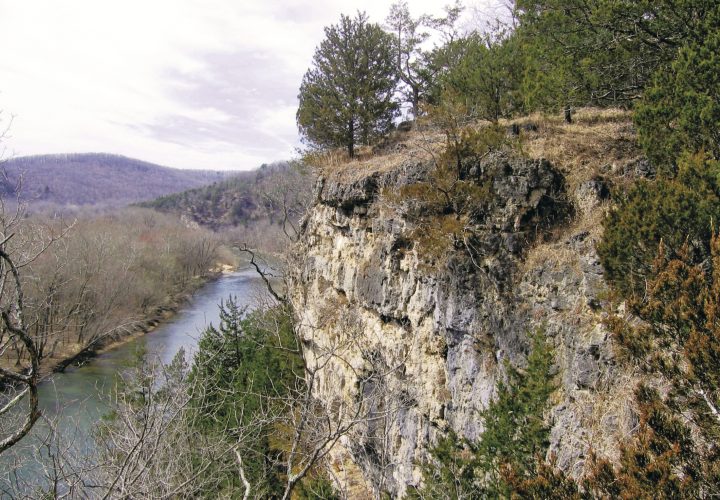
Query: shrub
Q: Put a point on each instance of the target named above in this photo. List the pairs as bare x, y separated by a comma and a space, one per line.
666, 212
445, 207
680, 110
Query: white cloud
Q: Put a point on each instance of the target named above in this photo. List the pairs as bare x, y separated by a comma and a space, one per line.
186, 83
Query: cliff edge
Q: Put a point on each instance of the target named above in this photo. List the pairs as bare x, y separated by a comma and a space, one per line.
429, 332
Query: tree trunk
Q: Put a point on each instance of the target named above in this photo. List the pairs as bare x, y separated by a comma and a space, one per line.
351, 139
416, 102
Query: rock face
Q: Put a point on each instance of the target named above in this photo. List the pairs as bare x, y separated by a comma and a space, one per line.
429, 339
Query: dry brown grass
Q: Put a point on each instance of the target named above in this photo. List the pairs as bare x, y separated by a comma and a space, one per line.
555, 256
607, 415
598, 141
417, 146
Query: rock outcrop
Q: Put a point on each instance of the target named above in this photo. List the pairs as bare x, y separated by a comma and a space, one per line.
437, 334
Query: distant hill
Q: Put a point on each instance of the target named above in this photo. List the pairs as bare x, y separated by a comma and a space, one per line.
267, 194
96, 179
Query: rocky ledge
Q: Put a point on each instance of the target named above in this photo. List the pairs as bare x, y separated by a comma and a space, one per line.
431, 339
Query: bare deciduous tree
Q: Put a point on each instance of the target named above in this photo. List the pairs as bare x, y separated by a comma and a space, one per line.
21, 243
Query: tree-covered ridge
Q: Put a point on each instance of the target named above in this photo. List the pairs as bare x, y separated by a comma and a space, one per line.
273, 194
96, 179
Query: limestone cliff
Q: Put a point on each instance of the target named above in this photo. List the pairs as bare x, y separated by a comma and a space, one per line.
440, 331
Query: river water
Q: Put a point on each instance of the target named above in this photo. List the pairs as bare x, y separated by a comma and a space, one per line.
74, 399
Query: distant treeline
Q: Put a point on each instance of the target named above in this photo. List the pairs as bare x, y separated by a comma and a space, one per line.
105, 277
50, 181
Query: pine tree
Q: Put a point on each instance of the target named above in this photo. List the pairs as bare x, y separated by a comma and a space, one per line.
605, 51
510, 448
515, 430
680, 110
486, 77
241, 370
346, 97
667, 212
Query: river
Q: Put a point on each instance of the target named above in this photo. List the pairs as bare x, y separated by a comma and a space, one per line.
74, 399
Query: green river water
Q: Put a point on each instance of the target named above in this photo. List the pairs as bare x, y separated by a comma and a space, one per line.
74, 399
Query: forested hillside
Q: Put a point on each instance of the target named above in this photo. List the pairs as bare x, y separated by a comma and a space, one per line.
96, 179
273, 193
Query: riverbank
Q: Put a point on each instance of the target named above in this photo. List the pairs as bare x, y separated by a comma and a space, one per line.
72, 403
128, 333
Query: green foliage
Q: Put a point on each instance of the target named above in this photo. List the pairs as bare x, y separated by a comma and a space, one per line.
408, 36
316, 488
436, 63
680, 110
548, 481
680, 338
245, 366
515, 435
486, 77
603, 51
664, 212
659, 462
346, 98
146, 435
674, 454
574, 71
515, 430
451, 474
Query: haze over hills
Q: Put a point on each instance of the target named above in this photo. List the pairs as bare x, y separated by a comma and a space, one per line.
97, 179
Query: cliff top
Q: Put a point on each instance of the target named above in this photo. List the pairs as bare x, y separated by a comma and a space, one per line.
598, 142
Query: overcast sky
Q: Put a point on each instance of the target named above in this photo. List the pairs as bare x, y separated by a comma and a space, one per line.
186, 83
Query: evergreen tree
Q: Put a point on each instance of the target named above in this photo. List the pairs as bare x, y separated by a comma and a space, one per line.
346, 97
668, 212
680, 110
486, 77
510, 448
515, 430
242, 370
604, 52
